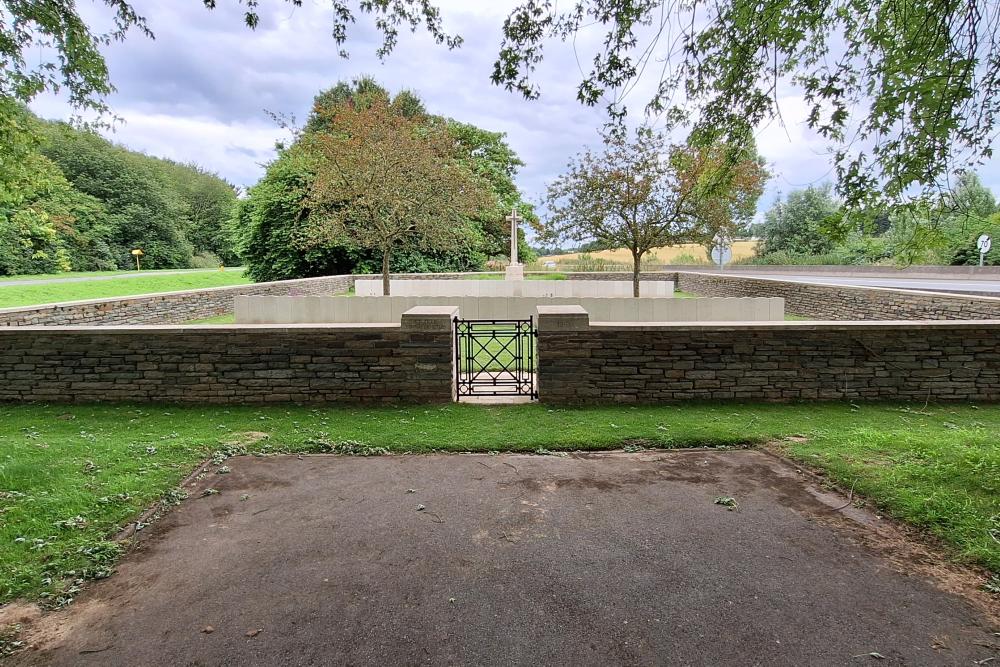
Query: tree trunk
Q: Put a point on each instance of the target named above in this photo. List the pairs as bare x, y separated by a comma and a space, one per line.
385, 272
636, 261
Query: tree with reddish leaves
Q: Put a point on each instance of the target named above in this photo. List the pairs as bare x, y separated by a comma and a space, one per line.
644, 193
387, 181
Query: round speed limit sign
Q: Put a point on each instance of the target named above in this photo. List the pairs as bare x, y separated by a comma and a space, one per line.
984, 243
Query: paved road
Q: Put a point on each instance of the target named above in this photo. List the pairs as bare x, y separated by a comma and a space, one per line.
121, 276
513, 560
930, 285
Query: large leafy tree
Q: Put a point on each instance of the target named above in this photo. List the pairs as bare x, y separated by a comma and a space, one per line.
47, 226
640, 194
389, 182
273, 222
207, 203
170, 211
270, 223
728, 189
799, 224
489, 157
946, 230
75, 201
903, 91
49, 46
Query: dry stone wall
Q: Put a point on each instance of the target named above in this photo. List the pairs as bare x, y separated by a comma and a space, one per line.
831, 302
411, 363
790, 362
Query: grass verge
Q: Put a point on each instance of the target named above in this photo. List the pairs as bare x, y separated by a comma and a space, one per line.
90, 274
72, 476
32, 295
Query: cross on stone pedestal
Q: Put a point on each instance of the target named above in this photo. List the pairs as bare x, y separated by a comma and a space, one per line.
513, 219
514, 270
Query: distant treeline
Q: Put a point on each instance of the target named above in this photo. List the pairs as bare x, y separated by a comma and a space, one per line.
811, 226
77, 202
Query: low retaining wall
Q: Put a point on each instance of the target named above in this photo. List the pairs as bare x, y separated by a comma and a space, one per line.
581, 362
315, 309
516, 288
838, 302
408, 363
167, 307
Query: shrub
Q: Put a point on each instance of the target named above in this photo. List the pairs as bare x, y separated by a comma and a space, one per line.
206, 260
784, 257
688, 258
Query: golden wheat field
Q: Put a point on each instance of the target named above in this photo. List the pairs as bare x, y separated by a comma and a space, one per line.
664, 255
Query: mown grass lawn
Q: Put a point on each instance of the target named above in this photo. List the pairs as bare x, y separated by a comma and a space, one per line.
71, 476
31, 295
89, 274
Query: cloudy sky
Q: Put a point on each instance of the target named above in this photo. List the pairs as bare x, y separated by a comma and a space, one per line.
200, 91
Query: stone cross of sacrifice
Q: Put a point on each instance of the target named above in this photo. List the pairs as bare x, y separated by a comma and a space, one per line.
513, 219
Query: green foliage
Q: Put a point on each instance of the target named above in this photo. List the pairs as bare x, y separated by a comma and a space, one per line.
809, 228
489, 157
207, 203
156, 205
46, 226
272, 225
48, 46
643, 193
927, 72
74, 201
971, 211
796, 226
268, 225
902, 91
686, 259
386, 182
585, 262
785, 258
944, 231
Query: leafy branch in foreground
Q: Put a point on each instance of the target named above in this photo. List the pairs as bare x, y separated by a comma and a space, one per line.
905, 92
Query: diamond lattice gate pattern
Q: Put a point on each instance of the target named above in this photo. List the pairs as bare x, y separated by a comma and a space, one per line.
495, 358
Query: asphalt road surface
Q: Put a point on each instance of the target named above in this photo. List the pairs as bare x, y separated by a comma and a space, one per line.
608, 559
